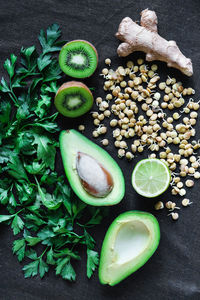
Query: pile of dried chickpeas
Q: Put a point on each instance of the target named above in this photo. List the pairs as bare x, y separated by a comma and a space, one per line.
136, 103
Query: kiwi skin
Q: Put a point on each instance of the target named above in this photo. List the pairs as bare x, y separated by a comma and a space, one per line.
72, 84
95, 50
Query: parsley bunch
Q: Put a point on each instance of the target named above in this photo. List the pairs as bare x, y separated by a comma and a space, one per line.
41, 208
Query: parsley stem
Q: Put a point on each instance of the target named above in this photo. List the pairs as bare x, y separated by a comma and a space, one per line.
43, 252
19, 211
13, 98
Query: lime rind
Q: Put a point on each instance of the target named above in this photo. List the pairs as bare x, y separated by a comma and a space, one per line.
151, 177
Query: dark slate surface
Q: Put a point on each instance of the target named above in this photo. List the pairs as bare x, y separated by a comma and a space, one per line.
174, 270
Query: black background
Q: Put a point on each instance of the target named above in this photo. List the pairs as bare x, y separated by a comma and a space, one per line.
174, 270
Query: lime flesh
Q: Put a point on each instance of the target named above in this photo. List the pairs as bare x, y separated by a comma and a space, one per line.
151, 177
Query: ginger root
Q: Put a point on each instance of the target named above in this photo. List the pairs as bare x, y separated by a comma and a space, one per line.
145, 38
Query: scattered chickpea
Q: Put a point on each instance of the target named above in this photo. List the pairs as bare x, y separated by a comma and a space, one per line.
176, 116
162, 85
170, 106
195, 106
105, 142
151, 73
113, 123
179, 185
186, 202
167, 90
109, 97
166, 98
140, 149
102, 130
157, 96
81, 127
96, 122
123, 84
121, 153
129, 155
140, 61
191, 170
117, 144
159, 205
154, 68
130, 64
95, 115
197, 175
189, 183
95, 133
168, 204
99, 100
108, 61
182, 192
135, 69
104, 71
164, 105
107, 113
155, 130
123, 144
193, 115
101, 117
175, 216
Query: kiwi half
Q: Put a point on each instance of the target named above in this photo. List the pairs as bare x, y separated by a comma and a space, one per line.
73, 99
78, 59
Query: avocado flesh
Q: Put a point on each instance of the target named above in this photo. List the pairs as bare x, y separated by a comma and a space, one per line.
130, 241
72, 142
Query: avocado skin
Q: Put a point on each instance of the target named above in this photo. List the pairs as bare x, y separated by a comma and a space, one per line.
108, 235
71, 141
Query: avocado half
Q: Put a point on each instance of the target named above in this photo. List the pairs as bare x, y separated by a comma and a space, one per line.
72, 142
130, 241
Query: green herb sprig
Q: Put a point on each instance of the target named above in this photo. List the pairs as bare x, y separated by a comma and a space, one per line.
48, 225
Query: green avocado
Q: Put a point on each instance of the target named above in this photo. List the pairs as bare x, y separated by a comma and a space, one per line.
130, 241
72, 143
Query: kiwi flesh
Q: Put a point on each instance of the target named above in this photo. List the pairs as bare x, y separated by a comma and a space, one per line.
73, 99
78, 59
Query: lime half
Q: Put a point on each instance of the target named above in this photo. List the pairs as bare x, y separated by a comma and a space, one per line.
151, 177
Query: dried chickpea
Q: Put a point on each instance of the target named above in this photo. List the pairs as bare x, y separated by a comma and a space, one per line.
105, 142
81, 127
108, 61
162, 85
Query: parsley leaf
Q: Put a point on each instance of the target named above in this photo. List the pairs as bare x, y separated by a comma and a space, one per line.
40, 205
92, 261
16, 169
43, 61
17, 224
9, 65
19, 247
32, 241
5, 111
45, 150
50, 258
31, 269
43, 268
90, 242
47, 41
4, 218
4, 86
42, 106
65, 269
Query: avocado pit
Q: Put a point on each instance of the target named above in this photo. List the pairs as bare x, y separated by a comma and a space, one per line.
95, 179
